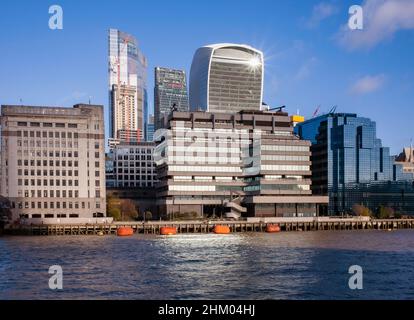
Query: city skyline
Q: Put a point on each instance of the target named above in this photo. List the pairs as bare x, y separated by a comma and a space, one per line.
309, 61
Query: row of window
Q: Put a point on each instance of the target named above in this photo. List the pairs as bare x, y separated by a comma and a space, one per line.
191, 188
45, 173
50, 215
287, 167
52, 205
134, 164
284, 158
204, 159
138, 151
46, 182
204, 169
51, 163
122, 184
46, 124
51, 154
48, 134
284, 148
137, 178
48, 193
204, 178
47, 144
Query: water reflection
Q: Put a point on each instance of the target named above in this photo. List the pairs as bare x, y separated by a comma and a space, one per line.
294, 265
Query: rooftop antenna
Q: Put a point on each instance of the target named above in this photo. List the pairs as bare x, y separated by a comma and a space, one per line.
278, 109
333, 109
90, 99
21, 100
411, 150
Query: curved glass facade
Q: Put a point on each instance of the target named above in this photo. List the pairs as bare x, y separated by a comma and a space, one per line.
226, 78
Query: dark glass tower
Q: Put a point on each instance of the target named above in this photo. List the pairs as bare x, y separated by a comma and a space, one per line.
170, 93
350, 165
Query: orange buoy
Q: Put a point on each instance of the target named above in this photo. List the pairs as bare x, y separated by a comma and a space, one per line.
272, 228
124, 231
221, 229
168, 231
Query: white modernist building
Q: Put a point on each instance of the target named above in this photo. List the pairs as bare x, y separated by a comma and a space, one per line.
226, 78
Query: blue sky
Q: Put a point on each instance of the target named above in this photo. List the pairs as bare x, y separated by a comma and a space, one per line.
311, 58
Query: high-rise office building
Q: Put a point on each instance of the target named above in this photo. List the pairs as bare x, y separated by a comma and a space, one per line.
150, 129
248, 163
127, 87
226, 78
350, 165
52, 162
170, 92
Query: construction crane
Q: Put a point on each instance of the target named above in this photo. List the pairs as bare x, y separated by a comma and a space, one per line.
316, 112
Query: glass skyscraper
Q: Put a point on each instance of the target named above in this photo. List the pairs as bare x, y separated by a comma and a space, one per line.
226, 78
127, 87
170, 92
350, 165
150, 129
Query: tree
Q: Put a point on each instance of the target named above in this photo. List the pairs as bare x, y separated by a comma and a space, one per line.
115, 213
148, 215
113, 207
128, 210
385, 212
360, 210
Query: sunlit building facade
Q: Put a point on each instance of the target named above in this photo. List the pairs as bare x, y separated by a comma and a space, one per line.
52, 163
350, 164
128, 104
244, 164
226, 78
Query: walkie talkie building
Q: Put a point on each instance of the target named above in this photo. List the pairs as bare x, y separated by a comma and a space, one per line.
226, 78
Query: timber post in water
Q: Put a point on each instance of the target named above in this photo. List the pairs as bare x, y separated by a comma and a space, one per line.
154, 227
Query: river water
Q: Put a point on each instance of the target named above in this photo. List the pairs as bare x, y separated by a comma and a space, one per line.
287, 265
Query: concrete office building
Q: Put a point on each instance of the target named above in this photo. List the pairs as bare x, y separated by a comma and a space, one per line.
226, 78
128, 103
351, 166
170, 92
131, 166
52, 162
248, 163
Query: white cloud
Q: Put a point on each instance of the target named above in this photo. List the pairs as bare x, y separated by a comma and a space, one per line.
321, 12
368, 84
382, 19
